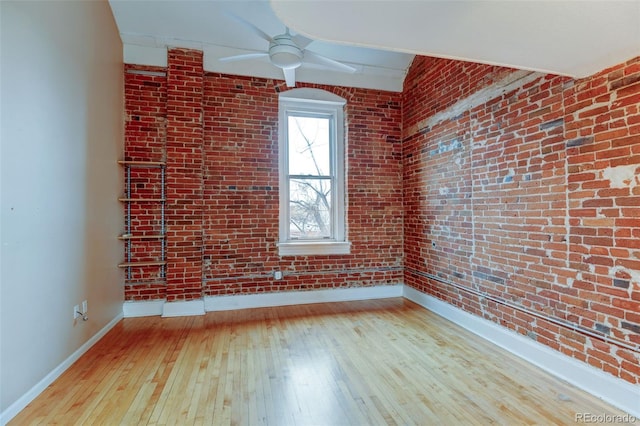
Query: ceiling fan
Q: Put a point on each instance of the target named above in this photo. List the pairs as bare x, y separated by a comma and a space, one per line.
287, 52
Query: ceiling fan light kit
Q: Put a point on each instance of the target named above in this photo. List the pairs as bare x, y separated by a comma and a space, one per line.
284, 53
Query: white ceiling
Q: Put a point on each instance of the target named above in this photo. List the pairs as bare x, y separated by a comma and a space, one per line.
379, 38
575, 38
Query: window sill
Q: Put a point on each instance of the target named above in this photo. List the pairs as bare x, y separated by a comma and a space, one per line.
303, 248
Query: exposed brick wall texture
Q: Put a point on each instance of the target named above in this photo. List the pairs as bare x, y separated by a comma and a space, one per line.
241, 192
184, 180
525, 207
146, 113
218, 135
145, 140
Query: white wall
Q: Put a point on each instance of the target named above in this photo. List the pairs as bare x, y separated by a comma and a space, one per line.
61, 133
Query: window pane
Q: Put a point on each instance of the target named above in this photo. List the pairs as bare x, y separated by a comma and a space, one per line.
310, 209
309, 146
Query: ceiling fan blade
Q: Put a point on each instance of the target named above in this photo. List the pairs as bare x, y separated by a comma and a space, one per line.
323, 60
290, 76
244, 56
250, 26
301, 40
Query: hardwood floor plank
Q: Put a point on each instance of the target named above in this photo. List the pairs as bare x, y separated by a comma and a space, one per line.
376, 362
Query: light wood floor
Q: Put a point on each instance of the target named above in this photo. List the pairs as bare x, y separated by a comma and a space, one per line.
383, 362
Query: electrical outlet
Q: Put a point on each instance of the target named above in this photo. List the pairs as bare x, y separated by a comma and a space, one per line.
277, 275
76, 310
84, 307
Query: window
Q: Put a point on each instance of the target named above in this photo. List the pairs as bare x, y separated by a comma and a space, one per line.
312, 182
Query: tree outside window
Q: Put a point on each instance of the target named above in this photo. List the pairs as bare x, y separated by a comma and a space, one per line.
310, 177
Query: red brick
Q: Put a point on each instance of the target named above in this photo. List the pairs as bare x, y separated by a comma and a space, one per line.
222, 181
602, 137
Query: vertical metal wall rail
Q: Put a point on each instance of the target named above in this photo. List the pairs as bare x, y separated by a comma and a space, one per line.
128, 221
162, 228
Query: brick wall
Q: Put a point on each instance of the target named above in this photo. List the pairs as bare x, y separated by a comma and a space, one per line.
218, 135
184, 181
145, 140
522, 202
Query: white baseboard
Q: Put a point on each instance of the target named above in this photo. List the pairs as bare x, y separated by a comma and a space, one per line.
615, 391
146, 308
183, 308
260, 300
265, 300
163, 308
36, 390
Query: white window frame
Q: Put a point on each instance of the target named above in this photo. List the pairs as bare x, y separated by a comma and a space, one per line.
314, 101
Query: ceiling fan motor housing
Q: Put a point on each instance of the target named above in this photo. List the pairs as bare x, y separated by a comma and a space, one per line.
284, 53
